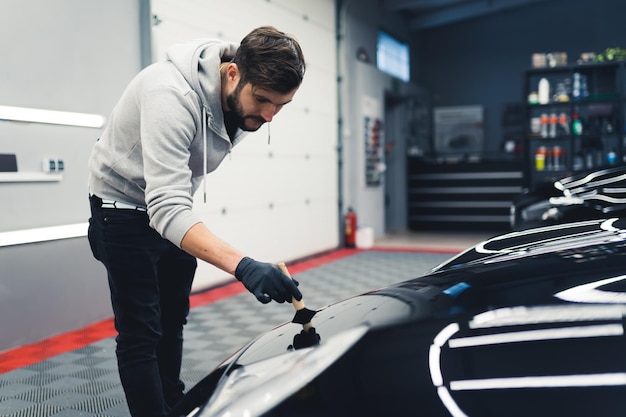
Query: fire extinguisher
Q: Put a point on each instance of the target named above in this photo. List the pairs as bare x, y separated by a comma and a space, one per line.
350, 228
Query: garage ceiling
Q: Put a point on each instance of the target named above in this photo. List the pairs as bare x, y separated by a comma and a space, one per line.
426, 14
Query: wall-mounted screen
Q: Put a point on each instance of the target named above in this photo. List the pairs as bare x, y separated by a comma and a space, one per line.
392, 56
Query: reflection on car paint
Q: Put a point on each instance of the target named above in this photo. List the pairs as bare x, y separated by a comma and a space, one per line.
279, 377
553, 238
502, 325
583, 196
589, 293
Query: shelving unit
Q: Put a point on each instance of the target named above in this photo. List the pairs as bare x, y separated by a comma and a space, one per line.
554, 147
461, 196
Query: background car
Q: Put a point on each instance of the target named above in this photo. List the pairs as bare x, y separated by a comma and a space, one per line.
527, 323
589, 195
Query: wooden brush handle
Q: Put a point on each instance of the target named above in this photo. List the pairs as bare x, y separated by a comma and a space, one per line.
298, 305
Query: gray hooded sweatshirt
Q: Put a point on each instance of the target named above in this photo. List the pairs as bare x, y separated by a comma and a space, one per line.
165, 133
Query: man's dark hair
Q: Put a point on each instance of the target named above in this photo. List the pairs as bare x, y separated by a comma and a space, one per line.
270, 59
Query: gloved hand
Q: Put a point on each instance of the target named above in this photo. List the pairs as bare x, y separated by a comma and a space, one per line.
266, 281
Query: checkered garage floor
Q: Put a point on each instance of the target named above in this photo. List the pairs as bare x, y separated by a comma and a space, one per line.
84, 382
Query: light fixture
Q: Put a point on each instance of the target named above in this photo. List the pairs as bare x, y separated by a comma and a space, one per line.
26, 114
43, 234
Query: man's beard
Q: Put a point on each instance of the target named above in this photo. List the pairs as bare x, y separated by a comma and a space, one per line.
236, 109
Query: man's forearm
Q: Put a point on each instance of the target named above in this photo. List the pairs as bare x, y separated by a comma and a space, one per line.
200, 242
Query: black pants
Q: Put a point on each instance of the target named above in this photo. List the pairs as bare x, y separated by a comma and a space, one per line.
150, 281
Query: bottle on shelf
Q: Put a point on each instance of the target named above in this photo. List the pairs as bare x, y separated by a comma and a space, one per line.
584, 90
544, 91
540, 158
549, 163
577, 124
577, 87
607, 125
563, 127
611, 157
558, 162
552, 129
543, 122
589, 159
560, 93
579, 161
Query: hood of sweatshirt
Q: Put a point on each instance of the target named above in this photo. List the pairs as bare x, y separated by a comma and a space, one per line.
199, 61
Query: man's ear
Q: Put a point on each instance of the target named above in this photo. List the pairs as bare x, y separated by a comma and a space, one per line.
232, 72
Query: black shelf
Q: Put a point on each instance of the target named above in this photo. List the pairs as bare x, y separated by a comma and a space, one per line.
462, 195
599, 106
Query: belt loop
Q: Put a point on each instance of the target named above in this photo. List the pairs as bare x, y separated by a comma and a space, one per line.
96, 200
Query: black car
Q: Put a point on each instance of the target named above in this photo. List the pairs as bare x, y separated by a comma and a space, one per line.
588, 195
529, 323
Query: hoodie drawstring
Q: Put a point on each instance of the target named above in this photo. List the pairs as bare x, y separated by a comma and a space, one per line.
204, 141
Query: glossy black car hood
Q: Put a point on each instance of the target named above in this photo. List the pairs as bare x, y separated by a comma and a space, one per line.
539, 267
444, 336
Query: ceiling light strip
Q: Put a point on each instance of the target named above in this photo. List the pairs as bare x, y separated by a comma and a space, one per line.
43, 234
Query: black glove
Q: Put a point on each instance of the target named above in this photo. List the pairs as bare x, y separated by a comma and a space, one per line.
266, 281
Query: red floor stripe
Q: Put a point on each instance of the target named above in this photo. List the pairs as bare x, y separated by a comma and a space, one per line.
44, 349
443, 251
36, 352
212, 295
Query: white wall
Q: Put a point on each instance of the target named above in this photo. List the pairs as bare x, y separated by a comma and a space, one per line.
275, 202
363, 87
66, 55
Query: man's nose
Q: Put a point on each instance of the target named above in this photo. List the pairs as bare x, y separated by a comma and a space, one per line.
268, 112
